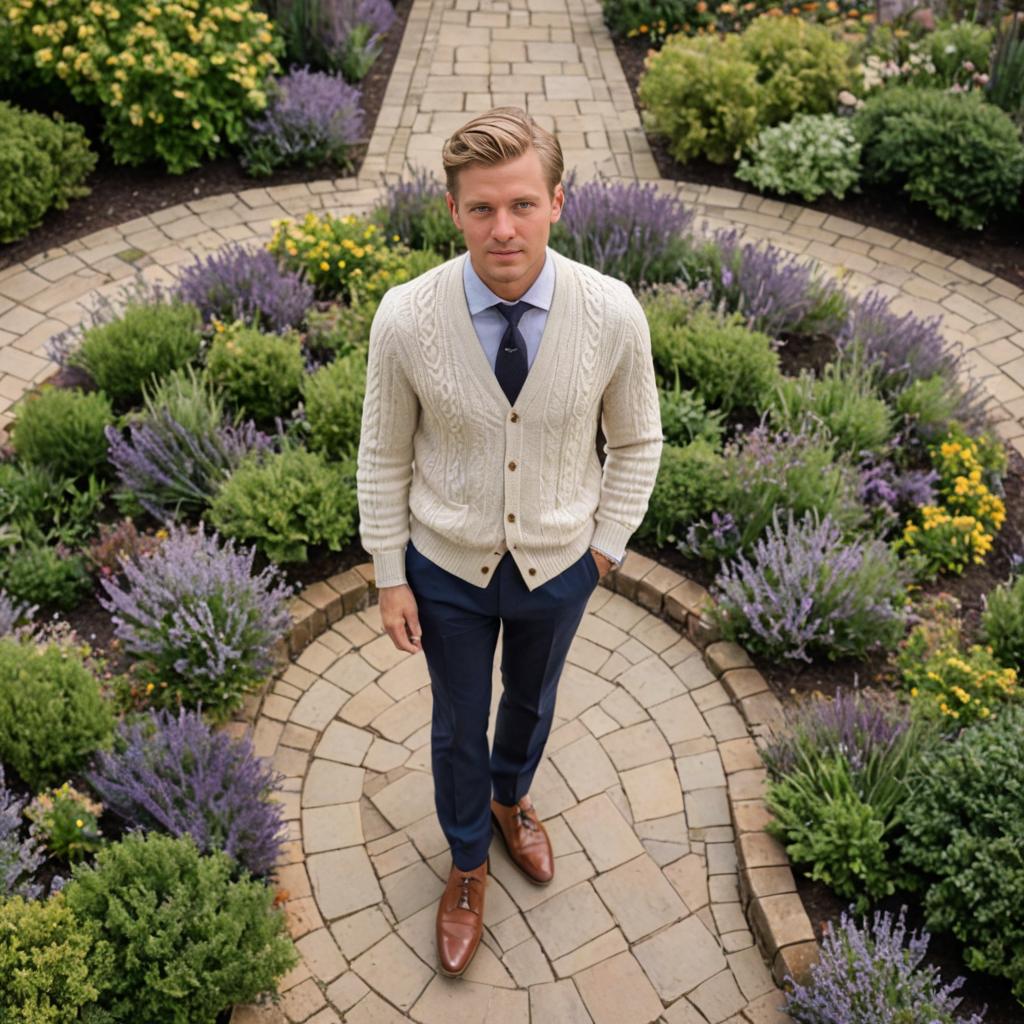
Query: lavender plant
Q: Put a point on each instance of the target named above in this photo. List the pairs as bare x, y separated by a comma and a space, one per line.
336, 35
175, 774
889, 492
19, 858
873, 974
633, 232
776, 290
237, 283
311, 118
904, 349
14, 614
808, 592
415, 210
200, 622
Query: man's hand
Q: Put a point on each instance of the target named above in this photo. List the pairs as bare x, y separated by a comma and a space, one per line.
604, 563
400, 618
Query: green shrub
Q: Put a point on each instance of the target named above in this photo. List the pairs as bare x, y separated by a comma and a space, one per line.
965, 834
44, 973
43, 575
43, 163
52, 714
841, 400
258, 374
810, 155
685, 417
688, 485
928, 405
334, 406
703, 96
729, 366
960, 156
802, 66
285, 501
176, 939
951, 45
63, 429
147, 342
341, 329
38, 507
1002, 622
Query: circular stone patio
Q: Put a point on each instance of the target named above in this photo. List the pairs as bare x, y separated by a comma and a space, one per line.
643, 920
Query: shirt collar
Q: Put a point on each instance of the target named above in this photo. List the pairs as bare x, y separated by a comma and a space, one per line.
479, 297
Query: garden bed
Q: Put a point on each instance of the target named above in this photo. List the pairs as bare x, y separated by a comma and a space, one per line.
998, 249
120, 193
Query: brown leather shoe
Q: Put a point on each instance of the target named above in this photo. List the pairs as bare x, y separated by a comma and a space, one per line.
460, 918
526, 839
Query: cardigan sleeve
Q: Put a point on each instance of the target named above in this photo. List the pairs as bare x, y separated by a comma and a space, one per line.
384, 463
631, 422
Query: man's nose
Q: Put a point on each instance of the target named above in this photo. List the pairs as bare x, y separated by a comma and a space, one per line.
503, 226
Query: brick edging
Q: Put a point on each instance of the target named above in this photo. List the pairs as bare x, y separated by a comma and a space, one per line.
768, 894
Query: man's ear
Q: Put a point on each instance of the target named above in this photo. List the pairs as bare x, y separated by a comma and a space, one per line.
453, 209
557, 202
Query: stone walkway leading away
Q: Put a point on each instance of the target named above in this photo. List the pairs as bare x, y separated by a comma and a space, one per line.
643, 920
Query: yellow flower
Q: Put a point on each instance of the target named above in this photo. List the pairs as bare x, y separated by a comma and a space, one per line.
196, 123
324, 265
79, 822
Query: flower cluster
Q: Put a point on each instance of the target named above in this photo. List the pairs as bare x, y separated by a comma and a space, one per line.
346, 258
175, 774
198, 619
175, 80
67, 822
237, 283
877, 71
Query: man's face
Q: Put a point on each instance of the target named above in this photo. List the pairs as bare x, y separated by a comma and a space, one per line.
505, 213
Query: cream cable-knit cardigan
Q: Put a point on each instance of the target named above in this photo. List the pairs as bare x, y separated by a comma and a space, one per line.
445, 459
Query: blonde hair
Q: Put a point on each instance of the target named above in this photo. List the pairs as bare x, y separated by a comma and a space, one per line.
501, 134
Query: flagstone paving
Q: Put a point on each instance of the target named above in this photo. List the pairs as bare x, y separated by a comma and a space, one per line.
643, 920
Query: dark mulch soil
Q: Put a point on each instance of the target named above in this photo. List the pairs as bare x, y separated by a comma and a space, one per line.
998, 249
120, 193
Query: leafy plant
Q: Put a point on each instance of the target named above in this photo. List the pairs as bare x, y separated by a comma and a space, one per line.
63, 429
202, 625
1002, 622
950, 46
311, 119
805, 592
688, 485
67, 822
43, 575
44, 963
872, 974
285, 501
1006, 85
175, 774
144, 344
116, 541
53, 717
39, 507
810, 155
334, 405
965, 834
961, 157
236, 283
176, 939
630, 231
258, 374
685, 417
43, 163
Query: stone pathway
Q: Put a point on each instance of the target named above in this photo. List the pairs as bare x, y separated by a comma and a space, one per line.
643, 920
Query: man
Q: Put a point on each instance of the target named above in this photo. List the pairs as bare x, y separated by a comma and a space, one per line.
481, 495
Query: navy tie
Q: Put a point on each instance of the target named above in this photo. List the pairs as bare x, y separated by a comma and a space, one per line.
511, 366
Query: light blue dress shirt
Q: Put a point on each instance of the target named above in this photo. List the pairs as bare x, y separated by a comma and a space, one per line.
490, 324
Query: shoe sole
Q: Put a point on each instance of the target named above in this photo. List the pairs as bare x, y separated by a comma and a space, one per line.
536, 881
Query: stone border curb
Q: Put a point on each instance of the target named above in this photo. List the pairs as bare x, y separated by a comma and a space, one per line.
768, 895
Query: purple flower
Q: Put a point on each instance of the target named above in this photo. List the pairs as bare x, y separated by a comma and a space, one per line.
246, 284
19, 859
176, 775
807, 591
311, 118
202, 624
775, 290
630, 231
869, 975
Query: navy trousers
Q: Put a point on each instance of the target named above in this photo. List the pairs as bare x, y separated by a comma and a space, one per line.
459, 622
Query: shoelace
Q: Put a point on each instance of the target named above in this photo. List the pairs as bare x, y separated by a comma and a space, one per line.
463, 903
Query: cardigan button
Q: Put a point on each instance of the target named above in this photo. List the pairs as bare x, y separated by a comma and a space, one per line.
515, 417
512, 466
511, 517
532, 572
484, 569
